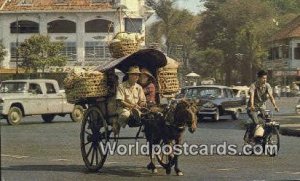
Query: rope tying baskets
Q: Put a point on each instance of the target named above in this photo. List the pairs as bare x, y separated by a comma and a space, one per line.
80, 85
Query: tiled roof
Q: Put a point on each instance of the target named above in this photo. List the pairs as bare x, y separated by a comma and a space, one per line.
292, 29
53, 5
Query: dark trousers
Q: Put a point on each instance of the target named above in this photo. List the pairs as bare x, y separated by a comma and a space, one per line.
254, 117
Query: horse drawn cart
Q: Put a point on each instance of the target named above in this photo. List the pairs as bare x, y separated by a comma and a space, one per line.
99, 96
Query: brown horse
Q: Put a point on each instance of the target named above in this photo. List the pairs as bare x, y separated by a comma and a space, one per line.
169, 126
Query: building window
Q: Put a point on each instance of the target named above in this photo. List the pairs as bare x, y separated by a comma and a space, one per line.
101, 1
61, 26
297, 53
96, 51
133, 25
61, 2
69, 51
24, 27
273, 53
25, 3
13, 52
99, 26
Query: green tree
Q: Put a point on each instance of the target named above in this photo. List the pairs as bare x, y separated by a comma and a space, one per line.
3, 53
236, 27
175, 29
209, 63
38, 52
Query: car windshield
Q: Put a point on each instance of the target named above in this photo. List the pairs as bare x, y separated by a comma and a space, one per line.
204, 92
12, 87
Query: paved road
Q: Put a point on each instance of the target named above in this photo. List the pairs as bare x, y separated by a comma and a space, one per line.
39, 151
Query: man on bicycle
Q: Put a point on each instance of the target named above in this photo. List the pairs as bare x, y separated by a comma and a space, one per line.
259, 91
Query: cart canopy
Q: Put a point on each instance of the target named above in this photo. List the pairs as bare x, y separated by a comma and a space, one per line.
151, 59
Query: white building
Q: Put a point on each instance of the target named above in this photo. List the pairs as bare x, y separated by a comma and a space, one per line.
284, 52
85, 26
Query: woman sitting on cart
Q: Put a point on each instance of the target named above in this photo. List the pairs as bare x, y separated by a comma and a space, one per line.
146, 80
130, 96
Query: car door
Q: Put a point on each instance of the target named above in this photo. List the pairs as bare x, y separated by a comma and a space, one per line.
226, 99
235, 102
35, 104
54, 99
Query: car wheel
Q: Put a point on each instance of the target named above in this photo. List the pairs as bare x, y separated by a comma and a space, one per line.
77, 114
14, 116
236, 114
200, 117
48, 118
216, 117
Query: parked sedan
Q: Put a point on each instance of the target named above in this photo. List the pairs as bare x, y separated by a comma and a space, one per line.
214, 101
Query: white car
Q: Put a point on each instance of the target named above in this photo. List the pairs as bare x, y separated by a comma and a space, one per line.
19, 98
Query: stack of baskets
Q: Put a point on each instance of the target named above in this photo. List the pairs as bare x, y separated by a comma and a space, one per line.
167, 78
123, 44
85, 84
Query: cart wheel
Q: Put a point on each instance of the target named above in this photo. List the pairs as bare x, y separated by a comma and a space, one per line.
166, 161
94, 136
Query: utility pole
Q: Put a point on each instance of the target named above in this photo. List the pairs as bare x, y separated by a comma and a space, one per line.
17, 47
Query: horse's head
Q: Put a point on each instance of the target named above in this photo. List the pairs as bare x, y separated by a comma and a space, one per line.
186, 114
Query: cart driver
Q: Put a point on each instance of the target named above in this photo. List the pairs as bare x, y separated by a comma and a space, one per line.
130, 96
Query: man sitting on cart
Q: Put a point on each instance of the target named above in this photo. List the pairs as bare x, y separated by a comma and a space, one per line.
130, 98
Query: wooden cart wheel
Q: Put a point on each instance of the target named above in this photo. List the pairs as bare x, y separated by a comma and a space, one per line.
94, 136
166, 161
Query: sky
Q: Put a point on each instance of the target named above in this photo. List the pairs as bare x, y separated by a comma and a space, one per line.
193, 5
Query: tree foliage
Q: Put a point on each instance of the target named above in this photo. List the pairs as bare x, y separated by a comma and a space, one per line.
237, 27
175, 30
38, 52
227, 28
3, 53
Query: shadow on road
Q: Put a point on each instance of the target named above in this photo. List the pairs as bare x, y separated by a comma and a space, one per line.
122, 170
129, 171
59, 168
26, 123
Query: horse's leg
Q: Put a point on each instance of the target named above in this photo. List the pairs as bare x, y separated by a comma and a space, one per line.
151, 165
169, 166
177, 170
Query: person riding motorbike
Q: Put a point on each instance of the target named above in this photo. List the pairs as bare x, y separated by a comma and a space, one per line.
260, 91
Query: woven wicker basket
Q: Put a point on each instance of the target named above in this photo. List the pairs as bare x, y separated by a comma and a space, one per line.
168, 81
122, 48
85, 85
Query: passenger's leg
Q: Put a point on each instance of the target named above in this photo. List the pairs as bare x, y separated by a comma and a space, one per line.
123, 117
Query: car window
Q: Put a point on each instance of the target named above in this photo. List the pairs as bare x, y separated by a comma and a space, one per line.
229, 93
50, 88
191, 93
35, 88
235, 91
243, 93
12, 87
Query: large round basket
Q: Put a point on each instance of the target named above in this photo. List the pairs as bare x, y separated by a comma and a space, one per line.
122, 48
85, 85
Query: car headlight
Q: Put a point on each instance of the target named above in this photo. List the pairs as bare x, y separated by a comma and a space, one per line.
208, 105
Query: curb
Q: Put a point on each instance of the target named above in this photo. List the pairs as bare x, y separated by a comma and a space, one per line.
288, 131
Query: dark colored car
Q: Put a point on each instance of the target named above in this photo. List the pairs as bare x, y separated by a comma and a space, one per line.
214, 101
